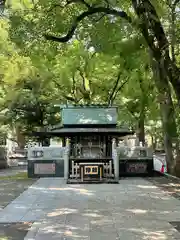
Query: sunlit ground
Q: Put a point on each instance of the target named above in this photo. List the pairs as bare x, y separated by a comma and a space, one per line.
133, 209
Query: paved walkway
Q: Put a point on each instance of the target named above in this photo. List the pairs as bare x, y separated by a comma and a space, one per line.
132, 210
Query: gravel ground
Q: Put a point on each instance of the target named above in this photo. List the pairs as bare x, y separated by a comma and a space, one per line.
14, 231
171, 186
9, 190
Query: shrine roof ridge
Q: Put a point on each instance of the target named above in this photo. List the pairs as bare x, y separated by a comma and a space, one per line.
64, 106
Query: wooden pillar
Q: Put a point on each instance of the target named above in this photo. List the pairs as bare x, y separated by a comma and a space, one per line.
108, 146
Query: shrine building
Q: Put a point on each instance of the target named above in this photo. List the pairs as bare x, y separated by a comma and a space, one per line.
89, 151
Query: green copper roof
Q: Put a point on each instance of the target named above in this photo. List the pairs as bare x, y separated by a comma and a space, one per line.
89, 115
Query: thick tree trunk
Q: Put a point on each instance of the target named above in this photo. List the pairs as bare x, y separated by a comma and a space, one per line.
168, 116
177, 165
168, 123
172, 72
156, 39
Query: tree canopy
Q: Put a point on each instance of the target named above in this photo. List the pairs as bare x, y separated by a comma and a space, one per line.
88, 51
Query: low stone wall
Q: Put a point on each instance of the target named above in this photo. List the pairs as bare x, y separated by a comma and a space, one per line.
46, 162
135, 161
136, 167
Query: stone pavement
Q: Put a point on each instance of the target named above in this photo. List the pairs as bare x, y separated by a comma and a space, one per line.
135, 209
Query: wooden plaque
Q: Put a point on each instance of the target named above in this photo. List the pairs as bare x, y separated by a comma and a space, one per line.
91, 170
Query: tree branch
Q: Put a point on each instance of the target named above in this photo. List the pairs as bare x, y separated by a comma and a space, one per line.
82, 76
173, 33
80, 1
72, 99
91, 11
176, 2
119, 89
140, 11
150, 23
74, 84
56, 83
68, 2
93, 55
107, 2
114, 88
99, 18
54, 6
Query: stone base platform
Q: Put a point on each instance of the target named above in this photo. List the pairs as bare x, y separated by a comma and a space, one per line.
92, 181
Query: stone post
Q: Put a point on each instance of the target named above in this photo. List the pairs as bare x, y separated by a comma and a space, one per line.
115, 159
126, 142
66, 160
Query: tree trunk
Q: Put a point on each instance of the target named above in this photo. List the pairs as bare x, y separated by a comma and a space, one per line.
168, 123
141, 121
20, 138
157, 41
154, 142
172, 31
141, 131
167, 114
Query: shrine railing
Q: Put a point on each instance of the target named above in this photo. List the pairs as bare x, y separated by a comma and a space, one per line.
134, 152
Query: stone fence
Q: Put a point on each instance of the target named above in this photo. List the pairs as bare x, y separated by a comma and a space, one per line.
46, 153
134, 152
48, 161
135, 160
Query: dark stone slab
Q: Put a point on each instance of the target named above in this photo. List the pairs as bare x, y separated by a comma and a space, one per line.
124, 167
14, 231
59, 168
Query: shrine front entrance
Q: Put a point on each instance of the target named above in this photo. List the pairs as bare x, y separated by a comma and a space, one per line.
91, 159
91, 171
